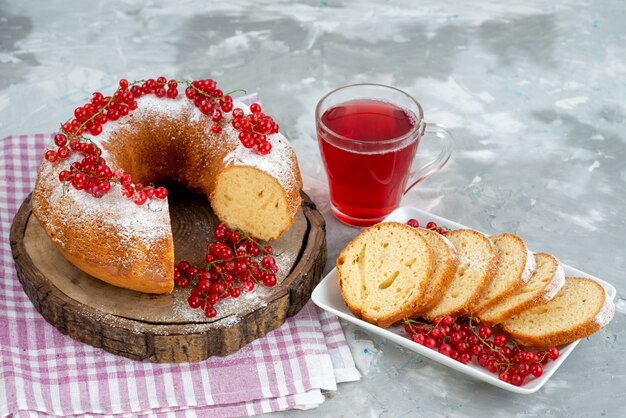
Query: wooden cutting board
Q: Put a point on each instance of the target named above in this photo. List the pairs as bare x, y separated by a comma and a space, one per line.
163, 328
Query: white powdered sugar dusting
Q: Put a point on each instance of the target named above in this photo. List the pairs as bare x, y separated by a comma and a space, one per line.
146, 105
150, 104
284, 262
453, 251
557, 282
529, 265
229, 309
281, 151
606, 312
479, 260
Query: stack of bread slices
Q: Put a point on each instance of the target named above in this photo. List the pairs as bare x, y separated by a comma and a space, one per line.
392, 271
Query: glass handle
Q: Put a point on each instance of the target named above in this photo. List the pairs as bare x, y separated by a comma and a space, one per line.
439, 132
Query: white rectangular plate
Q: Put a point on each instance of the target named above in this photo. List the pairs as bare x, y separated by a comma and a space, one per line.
328, 297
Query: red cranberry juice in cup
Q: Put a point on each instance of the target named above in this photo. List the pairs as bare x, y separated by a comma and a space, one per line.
368, 136
368, 185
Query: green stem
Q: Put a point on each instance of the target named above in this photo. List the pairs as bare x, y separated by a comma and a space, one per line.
235, 91
493, 350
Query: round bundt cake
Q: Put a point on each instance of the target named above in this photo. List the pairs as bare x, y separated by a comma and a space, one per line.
119, 231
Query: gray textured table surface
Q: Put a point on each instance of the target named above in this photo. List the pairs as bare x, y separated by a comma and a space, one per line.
534, 94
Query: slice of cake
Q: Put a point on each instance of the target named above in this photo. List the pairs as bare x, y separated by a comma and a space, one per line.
478, 261
544, 284
515, 266
446, 264
384, 271
581, 308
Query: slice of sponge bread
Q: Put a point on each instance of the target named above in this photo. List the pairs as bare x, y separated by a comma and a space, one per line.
446, 264
515, 266
545, 282
581, 308
384, 271
478, 261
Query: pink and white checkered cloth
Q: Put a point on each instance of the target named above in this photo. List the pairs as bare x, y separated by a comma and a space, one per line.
43, 372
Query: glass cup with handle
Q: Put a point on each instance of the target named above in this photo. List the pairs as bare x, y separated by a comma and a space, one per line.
368, 136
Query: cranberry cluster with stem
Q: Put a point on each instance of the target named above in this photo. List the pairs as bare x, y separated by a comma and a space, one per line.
210, 100
463, 340
443, 230
235, 262
95, 176
254, 128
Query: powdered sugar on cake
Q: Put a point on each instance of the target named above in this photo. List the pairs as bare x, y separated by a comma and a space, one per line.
557, 282
606, 312
451, 248
149, 222
529, 265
